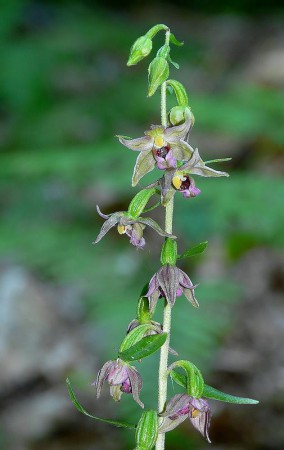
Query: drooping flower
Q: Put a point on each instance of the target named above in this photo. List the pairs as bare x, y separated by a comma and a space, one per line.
122, 378
183, 406
170, 282
180, 180
133, 228
161, 147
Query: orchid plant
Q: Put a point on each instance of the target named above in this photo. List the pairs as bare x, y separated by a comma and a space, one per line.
164, 147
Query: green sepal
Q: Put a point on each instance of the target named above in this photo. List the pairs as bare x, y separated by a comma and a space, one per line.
147, 430
215, 394
194, 383
193, 251
217, 160
139, 50
134, 336
145, 347
154, 30
138, 203
158, 73
174, 40
143, 312
169, 252
180, 92
164, 51
83, 411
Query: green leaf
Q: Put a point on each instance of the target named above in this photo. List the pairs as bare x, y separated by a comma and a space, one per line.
134, 336
179, 378
193, 251
215, 394
82, 410
194, 383
180, 92
138, 203
143, 348
174, 40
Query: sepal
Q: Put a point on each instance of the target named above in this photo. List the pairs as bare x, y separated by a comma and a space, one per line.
158, 73
194, 382
147, 431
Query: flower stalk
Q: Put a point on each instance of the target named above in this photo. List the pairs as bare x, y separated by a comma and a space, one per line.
165, 148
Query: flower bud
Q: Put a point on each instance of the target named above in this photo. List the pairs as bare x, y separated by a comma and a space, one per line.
179, 114
147, 431
169, 252
139, 50
158, 73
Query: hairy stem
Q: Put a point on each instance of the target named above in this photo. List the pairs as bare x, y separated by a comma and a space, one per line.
162, 396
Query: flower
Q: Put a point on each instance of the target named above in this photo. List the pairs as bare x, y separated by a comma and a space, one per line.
170, 282
133, 228
180, 180
161, 147
122, 378
182, 406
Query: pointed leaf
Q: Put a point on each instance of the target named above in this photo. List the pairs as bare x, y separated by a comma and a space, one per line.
144, 348
215, 394
82, 410
174, 40
176, 65
193, 251
134, 336
138, 203
179, 378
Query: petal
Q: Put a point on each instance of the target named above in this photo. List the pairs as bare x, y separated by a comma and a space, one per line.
102, 376
155, 131
136, 384
153, 286
201, 422
168, 279
167, 190
151, 223
111, 222
182, 150
178, 132
184, 279
205, 171
118, 373
140, 144
144, 164
153, 299
104, 216
133, 324
189, 294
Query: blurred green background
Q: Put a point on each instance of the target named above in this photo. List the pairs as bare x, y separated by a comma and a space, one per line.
65, 92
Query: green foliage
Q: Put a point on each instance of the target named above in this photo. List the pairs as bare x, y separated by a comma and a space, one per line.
145, 347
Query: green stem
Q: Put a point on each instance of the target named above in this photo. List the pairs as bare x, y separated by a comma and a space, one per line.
164, 353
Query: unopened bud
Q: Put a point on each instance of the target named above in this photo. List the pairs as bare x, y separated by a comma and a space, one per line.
158, 73
179, 114
139, 50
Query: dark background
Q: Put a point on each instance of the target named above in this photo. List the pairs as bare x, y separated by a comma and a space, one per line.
65, 91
